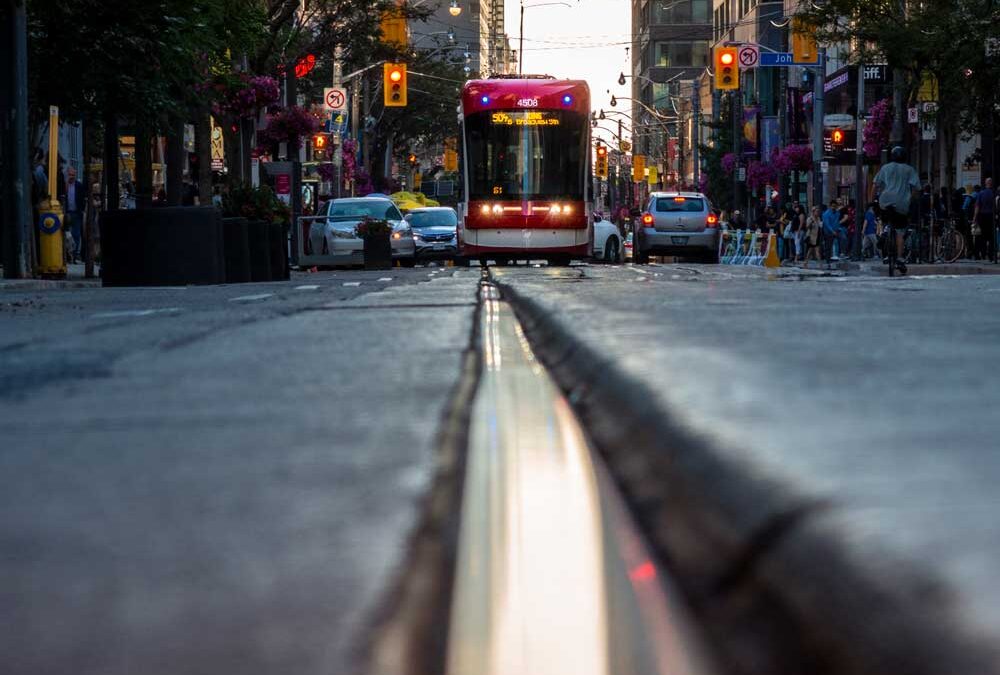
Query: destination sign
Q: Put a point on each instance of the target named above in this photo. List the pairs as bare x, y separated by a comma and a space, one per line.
525, 119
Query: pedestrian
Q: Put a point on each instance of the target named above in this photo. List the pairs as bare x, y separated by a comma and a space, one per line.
831, 231
217, 196
870, 233
814, 225
800, 231
76, 211
845, 230
983, 219
739, 222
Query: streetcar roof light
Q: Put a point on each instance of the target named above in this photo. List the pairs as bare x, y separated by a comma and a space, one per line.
567, 99
485, 99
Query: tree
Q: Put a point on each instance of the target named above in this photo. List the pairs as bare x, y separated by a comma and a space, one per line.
716, 175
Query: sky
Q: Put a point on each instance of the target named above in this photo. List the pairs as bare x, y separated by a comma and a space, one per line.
585, 41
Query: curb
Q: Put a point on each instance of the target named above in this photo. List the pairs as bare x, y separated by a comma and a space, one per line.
770, 574
47, 284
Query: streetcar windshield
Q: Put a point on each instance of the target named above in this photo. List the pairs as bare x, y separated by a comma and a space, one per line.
526, 154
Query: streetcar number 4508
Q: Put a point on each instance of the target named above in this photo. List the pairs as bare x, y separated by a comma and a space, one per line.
527, 103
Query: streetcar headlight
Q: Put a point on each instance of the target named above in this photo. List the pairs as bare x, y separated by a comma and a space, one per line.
497, 209
565, 209
555, 209
485, 209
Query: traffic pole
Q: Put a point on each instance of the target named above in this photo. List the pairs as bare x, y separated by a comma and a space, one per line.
818, 85
859, 177
16, 177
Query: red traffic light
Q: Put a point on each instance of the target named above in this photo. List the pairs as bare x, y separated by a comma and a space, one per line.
395, 75
601, 151
726, 58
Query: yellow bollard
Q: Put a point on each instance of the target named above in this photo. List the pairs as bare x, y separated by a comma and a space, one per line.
51, 252
772, 252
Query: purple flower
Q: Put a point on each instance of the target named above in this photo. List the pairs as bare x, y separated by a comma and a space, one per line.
728, 162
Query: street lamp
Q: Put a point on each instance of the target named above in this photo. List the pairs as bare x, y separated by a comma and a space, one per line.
520, 45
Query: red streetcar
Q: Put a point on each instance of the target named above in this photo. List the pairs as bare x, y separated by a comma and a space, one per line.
526, 147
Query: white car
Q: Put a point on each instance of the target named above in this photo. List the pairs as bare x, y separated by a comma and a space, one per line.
607, 241
335, 235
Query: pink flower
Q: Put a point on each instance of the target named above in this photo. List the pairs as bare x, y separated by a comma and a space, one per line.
728, 162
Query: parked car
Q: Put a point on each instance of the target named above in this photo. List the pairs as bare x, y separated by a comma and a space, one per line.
434, 232
678, 224
607, 241
335, 234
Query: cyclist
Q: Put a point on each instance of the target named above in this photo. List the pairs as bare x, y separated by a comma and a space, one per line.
896, 184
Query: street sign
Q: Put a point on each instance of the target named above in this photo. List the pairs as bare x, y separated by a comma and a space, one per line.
912, 115
749, 56
334, 98
772, 59
625, 146
824, 167
741, 174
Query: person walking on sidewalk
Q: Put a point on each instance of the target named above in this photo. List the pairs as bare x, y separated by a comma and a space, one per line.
896, 183
76, 210
831, 230
983, 217
814, 225
869, 246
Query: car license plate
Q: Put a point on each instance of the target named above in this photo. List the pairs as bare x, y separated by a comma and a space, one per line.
439, 247
679, 240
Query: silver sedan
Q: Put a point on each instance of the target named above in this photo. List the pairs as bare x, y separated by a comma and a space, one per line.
335, 235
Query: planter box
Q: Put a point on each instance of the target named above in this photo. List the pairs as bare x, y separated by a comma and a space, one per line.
172, 246
378, 253
237, 250
259, 240
279, 252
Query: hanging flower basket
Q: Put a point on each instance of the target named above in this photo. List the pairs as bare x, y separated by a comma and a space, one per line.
290, 125
793, 158
878, 128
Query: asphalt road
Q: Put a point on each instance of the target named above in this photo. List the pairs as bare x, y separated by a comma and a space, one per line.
216, 480
223, 479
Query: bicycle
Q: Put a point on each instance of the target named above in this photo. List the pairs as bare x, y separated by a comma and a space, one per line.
889, 215
950, 245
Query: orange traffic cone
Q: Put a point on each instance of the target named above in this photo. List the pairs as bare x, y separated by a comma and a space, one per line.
772, 252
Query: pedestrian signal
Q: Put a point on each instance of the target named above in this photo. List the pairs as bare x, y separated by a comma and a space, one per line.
412, 158
837, 136
727, 70
319, 141
601, 168
394, 85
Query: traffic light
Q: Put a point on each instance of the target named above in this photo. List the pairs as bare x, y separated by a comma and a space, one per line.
837, 137
412, 158
394, 85
319, 142
804, 48
601, 168
727, 70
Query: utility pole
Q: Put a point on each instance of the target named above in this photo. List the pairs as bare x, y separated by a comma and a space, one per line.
696, 114
355, 125
15, 183
338, 153
735, 98
818, 87
859, 175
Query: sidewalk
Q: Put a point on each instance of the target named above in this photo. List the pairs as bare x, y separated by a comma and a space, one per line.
74, 279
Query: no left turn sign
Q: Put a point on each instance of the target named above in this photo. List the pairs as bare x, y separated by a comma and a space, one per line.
335, 98
749, 56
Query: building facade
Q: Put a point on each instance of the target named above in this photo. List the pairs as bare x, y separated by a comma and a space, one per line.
670, 48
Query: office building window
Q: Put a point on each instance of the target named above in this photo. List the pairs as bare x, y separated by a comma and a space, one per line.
682, 54
680, 11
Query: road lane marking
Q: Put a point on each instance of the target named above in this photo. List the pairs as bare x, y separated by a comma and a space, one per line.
128, 313
385, 279
252, 298
352, 283
308, 287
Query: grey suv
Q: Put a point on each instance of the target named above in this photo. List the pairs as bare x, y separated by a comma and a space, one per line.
680, 224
